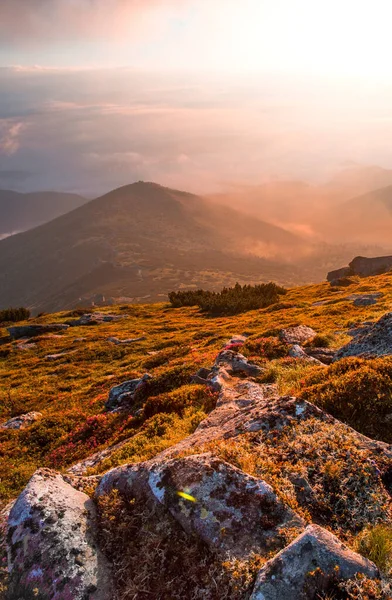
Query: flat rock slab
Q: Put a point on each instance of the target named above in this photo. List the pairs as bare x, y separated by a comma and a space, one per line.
28, 331
297, 351
22, 421
324, 355
50, 545
118, 342
370, 341
94, 319
308, 567
228, 509
297, 335
54, 357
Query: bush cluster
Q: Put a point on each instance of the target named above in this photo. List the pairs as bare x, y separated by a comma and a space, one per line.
229, 301
13, 315
356, 391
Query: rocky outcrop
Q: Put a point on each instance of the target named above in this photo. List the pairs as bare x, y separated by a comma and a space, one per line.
27, 331
308, 567
371, 340
121, 396
22, 421
297, 335
50, 544
94, 319
324, 355
363, 267
229, 510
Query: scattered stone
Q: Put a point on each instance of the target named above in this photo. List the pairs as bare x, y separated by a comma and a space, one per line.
50, 544
236, 363
374, 340
22, 421
28, 331
79, 340
236, 340
226, 508
308, 567
122, 395
118, 342
364, 299
53, 357
27, 346
324, 355
297, 335
94, 319
297, 351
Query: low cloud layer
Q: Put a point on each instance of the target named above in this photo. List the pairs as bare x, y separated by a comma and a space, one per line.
91, 131
26, 21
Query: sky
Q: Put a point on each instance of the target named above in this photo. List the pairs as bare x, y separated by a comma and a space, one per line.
191, 93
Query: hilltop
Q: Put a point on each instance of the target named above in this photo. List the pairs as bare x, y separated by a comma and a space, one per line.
140, 240
220, 409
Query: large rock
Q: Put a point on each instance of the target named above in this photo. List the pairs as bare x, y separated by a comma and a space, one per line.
370, 341
308, 567
297, 351
94, 319
28, 331
235, 363
228, 509
339, 274
50, 544
22, 421
297, 335
122, 395
324, 355
366, 267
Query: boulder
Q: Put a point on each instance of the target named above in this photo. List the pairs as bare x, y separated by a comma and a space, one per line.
122, 395
236, 363
324, 355
297, 335
28, 331
50, 543
22, 421
339, 274
226, 508
308, 567
297, 351
366, 267
370, 341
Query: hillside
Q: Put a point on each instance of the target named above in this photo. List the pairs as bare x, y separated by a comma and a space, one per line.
271, 447
138, 241
20, 212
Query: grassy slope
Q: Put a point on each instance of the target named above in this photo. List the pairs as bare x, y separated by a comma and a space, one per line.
71, 391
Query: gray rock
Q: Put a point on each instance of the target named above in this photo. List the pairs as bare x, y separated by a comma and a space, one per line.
22, 421
370, 341
289, 576
339, 274
297, 352
50, 544
236, 363
297, 335
366, 267
118, 342
94, 319
121, 395
324, 355
28, 331
228, 509
54, 357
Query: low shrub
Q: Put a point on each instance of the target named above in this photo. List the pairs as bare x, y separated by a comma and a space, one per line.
268, 348
178, 400
229, 301
376, 544
356, 391
14, 315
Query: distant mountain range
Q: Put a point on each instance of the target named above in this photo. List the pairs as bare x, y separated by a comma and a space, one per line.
140, 240
20, 212
143, 240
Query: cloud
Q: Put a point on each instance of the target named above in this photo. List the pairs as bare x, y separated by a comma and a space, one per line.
24, 21
10, 136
